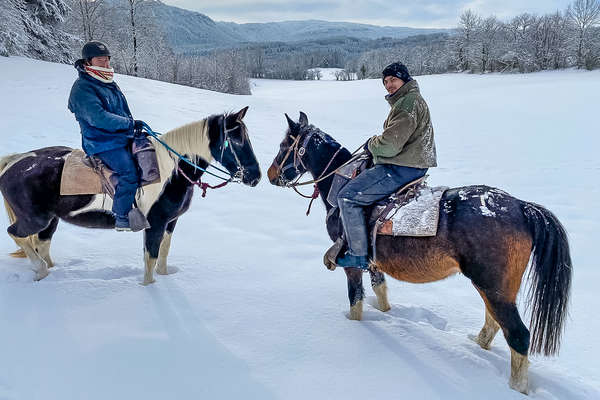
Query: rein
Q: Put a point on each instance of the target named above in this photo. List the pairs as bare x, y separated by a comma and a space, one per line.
298, 153
224, 134
156, 135
202, 185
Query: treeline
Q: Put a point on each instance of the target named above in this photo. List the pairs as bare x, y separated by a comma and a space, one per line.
525, 43
55, 30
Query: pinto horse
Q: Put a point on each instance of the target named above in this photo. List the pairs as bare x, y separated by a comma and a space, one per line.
30, 184
484, 233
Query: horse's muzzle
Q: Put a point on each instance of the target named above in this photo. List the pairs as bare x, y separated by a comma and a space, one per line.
273, 175
251, 177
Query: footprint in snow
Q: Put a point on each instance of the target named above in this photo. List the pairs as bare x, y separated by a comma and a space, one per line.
414, 314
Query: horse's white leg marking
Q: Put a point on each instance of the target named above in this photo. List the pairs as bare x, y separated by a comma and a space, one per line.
356, 311
382, 298
487, 333
41, 268
163, 252
149, 264
12, 218
42, 247
518, 371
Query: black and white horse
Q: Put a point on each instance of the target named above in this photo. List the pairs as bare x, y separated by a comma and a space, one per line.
30, 184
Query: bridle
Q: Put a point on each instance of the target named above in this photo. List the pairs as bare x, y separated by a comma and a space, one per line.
298, 152
226, 141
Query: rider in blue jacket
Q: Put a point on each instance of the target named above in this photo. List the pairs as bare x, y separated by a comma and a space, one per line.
107, 126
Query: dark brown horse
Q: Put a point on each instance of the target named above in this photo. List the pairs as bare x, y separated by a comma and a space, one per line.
484, 233
30, 184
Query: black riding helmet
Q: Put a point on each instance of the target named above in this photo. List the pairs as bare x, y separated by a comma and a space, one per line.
94, 49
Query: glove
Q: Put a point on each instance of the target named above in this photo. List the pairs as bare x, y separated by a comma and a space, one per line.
366, 149
138, 127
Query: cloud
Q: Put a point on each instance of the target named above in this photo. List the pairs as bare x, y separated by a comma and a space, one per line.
417, 13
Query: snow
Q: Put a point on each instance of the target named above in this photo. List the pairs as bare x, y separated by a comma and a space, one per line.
251, 311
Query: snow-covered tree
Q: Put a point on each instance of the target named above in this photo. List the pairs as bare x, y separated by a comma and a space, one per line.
13, 38
33, 28
584, 14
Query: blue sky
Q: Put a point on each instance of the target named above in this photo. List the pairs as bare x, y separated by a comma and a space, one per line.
415, 13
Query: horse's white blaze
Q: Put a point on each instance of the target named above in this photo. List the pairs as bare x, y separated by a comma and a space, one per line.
519, 365
161, 263
191, 140
11, 159
100, 202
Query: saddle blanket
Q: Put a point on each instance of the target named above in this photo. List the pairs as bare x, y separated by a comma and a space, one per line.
80, 178
416, 215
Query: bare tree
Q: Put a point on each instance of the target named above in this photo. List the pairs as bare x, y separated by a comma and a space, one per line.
584, 14
89, 14
467, 27
133, 8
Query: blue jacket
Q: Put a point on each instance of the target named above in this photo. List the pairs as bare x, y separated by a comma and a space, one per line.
102, 113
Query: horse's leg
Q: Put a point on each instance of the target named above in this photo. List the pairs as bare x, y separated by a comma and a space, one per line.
26, 244
488, 332
163, 252
41, 242
12, 218
356, 293
517, 337
153, 237
380, 288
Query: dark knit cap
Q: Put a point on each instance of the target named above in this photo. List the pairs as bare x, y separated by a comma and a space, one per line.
94, 49
398, 70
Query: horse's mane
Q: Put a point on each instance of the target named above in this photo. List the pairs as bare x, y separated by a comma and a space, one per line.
190, 139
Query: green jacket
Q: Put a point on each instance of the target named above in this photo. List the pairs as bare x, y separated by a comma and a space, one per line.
407, 137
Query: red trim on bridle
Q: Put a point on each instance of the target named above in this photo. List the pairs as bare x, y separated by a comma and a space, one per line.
202, 185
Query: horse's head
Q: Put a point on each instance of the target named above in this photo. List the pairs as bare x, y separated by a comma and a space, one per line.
289, 163
230, 146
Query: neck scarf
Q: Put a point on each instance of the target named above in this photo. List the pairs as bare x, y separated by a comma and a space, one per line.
102, 74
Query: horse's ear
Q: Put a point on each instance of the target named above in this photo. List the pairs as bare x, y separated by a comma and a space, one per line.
241, 114
303, 119
291, 123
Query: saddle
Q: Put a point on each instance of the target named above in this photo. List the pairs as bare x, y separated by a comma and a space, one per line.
83, 174
88, 175
413, 211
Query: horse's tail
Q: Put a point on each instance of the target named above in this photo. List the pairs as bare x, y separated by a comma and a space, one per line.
4, 161
12, 217
550, 277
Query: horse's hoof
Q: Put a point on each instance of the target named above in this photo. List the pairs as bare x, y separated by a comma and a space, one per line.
147, 282
356, 311
384, 307
41, 275
162, 271
519, 386
475, 339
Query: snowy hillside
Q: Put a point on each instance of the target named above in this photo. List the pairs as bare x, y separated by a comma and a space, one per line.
251, 312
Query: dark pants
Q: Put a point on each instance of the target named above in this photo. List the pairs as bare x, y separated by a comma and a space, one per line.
121, 162
366, 189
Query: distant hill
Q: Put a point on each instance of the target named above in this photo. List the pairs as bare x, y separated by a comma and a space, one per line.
190, 31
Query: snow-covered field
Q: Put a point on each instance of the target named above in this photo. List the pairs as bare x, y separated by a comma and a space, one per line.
251, 311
